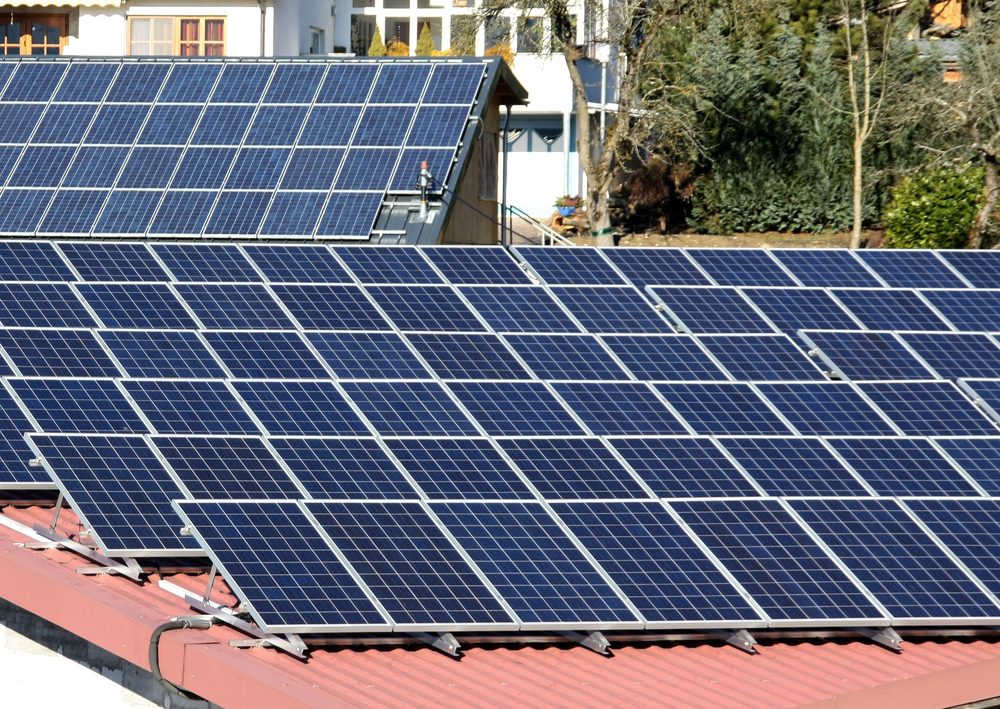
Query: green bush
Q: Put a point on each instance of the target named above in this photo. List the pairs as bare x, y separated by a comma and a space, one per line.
934, 209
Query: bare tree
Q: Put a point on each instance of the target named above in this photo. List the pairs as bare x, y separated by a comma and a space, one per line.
627, 30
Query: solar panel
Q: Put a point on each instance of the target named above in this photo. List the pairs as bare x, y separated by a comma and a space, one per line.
761, 357
710, 310
683, 467
929, 408
99, 167
978, 457
113, 261
21, 210
301, 408
741, 267
136, 305
177, 406
409, 408
794, 309
121, 491
476, 265
460, 356
826, 409
297, 264
351, 468
619, 408
206, 262
415, 308
41, 305
902, 466
866, 355
656, 267
78, 406
271, 555
572, 468
793, 466
895, 560
956, 355
566, 357
57, 353
390, 265
368, 355
773, 557
169, 355
666, 357
234, 307
885, 309
409, 564
32, 261
323, 307
910, 268
526, 309
722, 408
568, 267
826, 268
656, 565
265, 355
515, 408
968, 310
986, 395
537, 569
611, 309
980, 268
15, 472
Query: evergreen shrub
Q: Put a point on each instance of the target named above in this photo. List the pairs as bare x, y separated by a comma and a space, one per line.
934, 209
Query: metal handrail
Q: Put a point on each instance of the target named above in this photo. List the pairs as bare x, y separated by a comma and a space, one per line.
546, 232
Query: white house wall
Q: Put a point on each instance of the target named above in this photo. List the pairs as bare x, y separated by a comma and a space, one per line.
297, 19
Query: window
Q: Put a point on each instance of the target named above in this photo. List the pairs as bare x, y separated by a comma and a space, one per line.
33, 34
362, 32
317, 42
529, 35
177, 36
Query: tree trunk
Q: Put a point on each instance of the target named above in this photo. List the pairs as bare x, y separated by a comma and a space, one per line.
856, 230
600, 219
983, 218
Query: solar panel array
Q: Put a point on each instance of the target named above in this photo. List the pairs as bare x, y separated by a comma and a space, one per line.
461, 438
162, 147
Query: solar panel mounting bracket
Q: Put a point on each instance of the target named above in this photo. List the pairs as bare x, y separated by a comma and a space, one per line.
293, 646
740, 639
593, 640
445, 642
108, 565
886, 637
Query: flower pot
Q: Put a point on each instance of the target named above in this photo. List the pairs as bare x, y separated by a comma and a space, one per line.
566, 211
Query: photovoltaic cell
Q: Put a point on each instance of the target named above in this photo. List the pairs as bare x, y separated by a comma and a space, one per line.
136, 305
461, 356
968, 310
32, 261
73, 212
656, 267
224, 468
41, 305
570, 266
515, 408
349, 214
454, 83
910, 268
292, 214
14, 452
189, 406
826, 409
330, 125
61, 124
182, 213
665, 357
979, 457
383, 126
712, 310
78, 406
390, 265
203, 168
137, 83
242, 83
312, 169
524, 309
367, 168
33, 82
169, 125
793, 309
189, 83
347, 83
980, 268
41, 166
988, 390
399, 83
117, 124
301, 408
476, 265
902, 466
276, 125
20, 121
223, 125
294, 83
566, 357
890, 310
95, 167
368, 355
206, 262
87, 82
337, 307
741, 267
929, 408
826, 268
793, 466
409, 409
21, 210
956, 355
257, 169
762, 357
301, 264
415, 308
611, 309
619, 408
351, 468
683, 467
232, 307
112, 261
438, 126
265, 355
869, 355
57, 353
238, 213
722, 408
172, 354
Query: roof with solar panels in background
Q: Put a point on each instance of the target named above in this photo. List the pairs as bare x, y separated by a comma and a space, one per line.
461, 444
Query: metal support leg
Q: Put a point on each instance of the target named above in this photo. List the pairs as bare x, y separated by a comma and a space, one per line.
740, 639
55, 514
445, 642
211, 582
592, 641
886, 637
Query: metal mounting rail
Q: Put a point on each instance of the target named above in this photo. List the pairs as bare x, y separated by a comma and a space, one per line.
129, 570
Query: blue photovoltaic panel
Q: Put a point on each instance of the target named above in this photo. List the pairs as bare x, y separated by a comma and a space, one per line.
19, 120
476, 265
256, 169
61, 124
409, 409
137, 83
347, 83
666, 357
989, 391
566, 357
330, 125
761, 357
301, 408
970, 529
956, 355
533, 564
979, 457
279, 562
459, 469
929, 408
393, 265
189, 83
515, 408
399, 83
149, 168
206, 262
242, 83
683, 467
776, 561
351, 468
656, 267
454, 83
14, 452
826, 268
437, 308
869, 355
227, 468
902, 466
238, 213
793, 466
524, 309
230, 307
96, 167
438, 126
367, 168
966, 309
136, 305
41, 305
33, 82
336, 307
723, 408
741, 267
980, 268
173, 355
32, 261
78, 406
169, 125
113, 261
294, 83
411, 567
610, 409
57, 353
73, 212
897, 561
21, 210
182, 213
610, 309
190, 407
302, 264
461, 356
793, 309
890, 310
41, 166
572, 468
122, 491
117, 124
265, 355
826, 409
276, 125
203, 168
312, 169
383, 126
712, 310
656, 565
910, 268
127, 212
368, 355
87, 82
570, 267
349, 214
